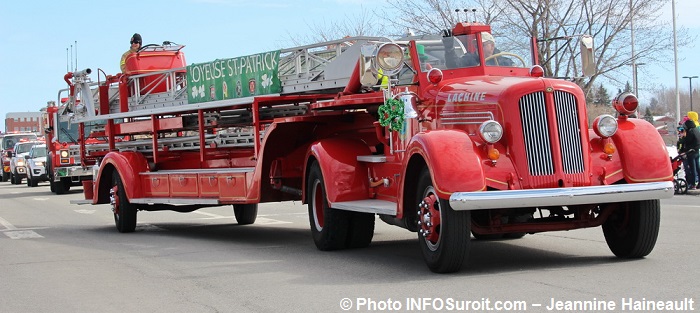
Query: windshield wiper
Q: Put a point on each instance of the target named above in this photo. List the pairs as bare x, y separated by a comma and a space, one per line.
68, 134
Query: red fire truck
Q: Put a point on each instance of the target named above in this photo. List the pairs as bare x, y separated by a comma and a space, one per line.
63, 164
430, 134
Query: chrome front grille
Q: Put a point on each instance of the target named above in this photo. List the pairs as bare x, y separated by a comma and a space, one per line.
569, 132
536, 132
533, 114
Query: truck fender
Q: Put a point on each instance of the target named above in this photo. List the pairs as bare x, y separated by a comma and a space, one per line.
453, 161
636, 137
128, 164
345, 178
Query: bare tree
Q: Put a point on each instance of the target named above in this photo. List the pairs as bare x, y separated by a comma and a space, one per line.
362, 24
608, 21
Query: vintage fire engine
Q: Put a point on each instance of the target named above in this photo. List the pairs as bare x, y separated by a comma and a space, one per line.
63, 165
454, 143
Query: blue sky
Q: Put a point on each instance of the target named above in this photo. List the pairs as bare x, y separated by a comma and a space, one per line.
34, 36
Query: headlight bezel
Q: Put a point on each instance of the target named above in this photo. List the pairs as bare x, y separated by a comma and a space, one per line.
490, 131
605, 126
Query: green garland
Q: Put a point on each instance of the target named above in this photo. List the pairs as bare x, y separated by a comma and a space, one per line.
391, 114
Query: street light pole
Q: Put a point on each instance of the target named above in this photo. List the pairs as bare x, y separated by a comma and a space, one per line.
690, 82
636, 79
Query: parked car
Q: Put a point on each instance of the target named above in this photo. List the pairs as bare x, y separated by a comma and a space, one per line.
18, 169
36, 165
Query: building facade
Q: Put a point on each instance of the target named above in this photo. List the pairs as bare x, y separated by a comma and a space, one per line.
24, 122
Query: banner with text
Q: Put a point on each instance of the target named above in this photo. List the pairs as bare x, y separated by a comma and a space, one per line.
223, 79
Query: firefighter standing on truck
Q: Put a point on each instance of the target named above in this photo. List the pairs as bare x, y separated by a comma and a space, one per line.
135, 46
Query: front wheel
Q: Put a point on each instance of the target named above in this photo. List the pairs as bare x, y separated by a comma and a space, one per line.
62, 186
245, 213
444, 233
632, 230
124, 212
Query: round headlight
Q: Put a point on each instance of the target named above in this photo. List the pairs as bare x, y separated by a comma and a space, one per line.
605, 126
491, 131
390, 57
64, 153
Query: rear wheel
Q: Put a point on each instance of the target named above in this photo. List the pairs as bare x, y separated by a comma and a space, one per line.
329, 227
360, 230
444, 233
632, 230
245, 213
5, 176
124, 212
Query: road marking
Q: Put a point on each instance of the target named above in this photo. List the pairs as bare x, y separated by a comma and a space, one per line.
211, 216
269, 221
22, 234
260, 220
84, 211
41, 199
7, 224
16, 233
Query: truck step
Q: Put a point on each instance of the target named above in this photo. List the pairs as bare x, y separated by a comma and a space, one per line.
367, 206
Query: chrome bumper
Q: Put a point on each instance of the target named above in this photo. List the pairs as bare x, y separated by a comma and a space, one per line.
464, 201
72, 171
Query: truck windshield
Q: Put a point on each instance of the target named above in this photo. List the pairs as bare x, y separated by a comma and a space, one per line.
463, 52
39, 151
68, 132
23, 147
71, 133
9, 141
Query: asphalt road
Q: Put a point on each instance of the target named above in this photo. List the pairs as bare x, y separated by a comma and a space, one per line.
59, 257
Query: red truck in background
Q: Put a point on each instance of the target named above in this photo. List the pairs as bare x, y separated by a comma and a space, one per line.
63, 160
454, 143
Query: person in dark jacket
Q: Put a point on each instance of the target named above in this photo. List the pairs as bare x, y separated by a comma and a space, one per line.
690, 146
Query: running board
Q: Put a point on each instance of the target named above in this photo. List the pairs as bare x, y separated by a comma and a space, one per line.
367, 206
176, 201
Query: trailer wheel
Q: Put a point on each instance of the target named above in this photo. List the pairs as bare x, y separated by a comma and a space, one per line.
360, 230
245, 213
124, 212
444, 233
329, 227
632, 230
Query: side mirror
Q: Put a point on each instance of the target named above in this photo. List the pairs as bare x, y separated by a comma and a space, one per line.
27, 157
368, 77
587, 55
9, 154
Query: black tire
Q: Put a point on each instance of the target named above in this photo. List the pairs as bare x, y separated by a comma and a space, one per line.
5, 176
513, 235
361, 229
632, 230
245, 213
29, 180
329, 227
124, 212
446, 247
682, 186
15, 179
52, 186
62, 186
